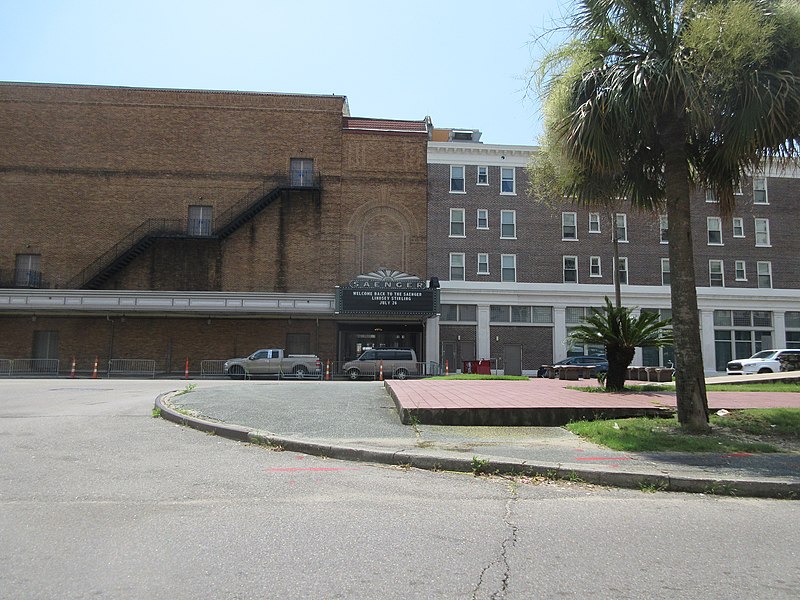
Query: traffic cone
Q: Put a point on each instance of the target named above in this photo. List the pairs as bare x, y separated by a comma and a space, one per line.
380, 376
186, 370
72, 370
327, 370
94, 371
446, 368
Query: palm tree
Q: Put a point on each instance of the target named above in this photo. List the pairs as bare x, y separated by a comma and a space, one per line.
651, 98
621, 333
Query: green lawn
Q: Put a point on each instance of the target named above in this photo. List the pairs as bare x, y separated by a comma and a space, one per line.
770, 386
755, 430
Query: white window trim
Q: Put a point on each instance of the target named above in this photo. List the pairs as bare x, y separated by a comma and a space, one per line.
766, 192
596, 214
736, 270
513, 182
718, 220
514, 213
463, 222
755, 234
503, 256
599, 267
741, 221
665, 262
759, 275
721, 271
564, 269
486, 272
711, 197
477, 175
463, 178
623, 260
662, 219
463, 266
478, 220
574, 225
624, 226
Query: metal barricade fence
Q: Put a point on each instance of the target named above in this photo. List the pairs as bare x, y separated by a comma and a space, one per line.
5, 367
367, 370
34, 366
132, 366
212, 368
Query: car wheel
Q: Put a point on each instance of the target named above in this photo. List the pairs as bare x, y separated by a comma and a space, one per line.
764, 370
400, 374
354, 374
236, 372
300, 372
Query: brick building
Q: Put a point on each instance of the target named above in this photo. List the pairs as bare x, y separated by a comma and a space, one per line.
167, 224
515, 275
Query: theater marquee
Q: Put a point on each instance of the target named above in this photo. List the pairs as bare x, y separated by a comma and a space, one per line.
388, 293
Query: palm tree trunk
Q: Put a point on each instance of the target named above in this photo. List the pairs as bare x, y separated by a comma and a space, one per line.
619, 359
689, 374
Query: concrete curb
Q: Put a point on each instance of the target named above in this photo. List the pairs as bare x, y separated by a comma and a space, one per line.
755, 488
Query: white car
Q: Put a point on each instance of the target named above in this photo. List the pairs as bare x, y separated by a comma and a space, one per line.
766, 361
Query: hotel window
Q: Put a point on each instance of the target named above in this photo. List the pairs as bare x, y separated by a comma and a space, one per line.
508, 224
456, 266
622, 227
663, 227
715, 274
507, 184
760, 190
714, 226
483, 264
302, 172
741, 270
199, 223
483, 175
26, 271
594, 222
764, 274
665, 273
595, 269
711, 196
570, 269
457, 222
457, 179
762, 232
738, 227
623, 270
508, 268
483, 218
569, 226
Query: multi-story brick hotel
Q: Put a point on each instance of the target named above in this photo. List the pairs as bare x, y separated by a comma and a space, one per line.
174, 224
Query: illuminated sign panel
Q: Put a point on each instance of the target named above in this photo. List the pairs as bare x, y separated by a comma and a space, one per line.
387, 293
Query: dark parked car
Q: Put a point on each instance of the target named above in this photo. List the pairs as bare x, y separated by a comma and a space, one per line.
599, 363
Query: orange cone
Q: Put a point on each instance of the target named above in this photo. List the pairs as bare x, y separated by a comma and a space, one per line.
380, 376
446, 368
186, 371
72, 371
327, 370
94, 371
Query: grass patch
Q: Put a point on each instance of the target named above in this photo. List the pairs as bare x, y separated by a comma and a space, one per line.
756, 431
481, 377
596, 389
771, 386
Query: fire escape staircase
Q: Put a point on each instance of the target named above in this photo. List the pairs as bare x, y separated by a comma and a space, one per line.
138, 240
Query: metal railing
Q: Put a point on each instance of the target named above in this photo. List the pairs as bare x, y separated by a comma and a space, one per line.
370, 370
212, 368
132, 366
34, 366
22, 278
5, 367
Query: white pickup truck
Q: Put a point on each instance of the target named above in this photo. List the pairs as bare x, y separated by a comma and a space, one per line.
272, 361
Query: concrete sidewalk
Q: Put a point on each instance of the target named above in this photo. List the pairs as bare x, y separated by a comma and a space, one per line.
359, 421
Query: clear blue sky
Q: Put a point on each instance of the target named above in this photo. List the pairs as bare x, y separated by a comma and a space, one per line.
462, 62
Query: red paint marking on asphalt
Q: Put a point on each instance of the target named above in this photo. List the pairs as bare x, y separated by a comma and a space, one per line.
314, 469
736, 454
612, 458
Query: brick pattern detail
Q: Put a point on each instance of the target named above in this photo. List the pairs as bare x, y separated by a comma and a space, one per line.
536, 342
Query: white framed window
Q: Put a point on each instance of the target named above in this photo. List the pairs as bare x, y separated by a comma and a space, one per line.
760, 190
741, 270
762, 233
457, 179
508, 268
457, 228
456, 266
665, 272
507, 181
663, 228
483, 218
716, 277
738, 227
570, 269
483, 264
594, 222
595, 269
483, 175
714, 227
508, 224
764, 269
622, 270
621, 220
711, 196
569, 226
